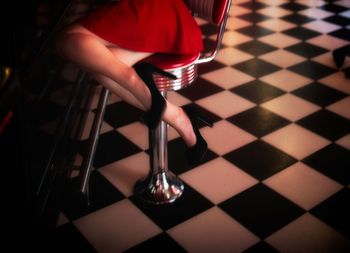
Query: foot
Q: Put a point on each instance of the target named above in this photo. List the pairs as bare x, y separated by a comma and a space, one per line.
195, 153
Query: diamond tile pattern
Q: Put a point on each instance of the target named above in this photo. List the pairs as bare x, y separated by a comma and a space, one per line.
276, 175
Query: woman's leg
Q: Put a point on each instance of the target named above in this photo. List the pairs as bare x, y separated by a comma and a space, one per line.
112, 67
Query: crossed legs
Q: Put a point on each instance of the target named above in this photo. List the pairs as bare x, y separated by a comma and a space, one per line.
111, 66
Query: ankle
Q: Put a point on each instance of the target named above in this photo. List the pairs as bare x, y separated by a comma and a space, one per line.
185, 128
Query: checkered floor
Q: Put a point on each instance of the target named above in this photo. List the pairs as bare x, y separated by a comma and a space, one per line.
276, 177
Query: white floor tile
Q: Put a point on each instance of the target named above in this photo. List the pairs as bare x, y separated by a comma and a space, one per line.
321, 26
213, 231
231, 56
344, 141
218, 180
327, 42
124, 173
341, 107
279, 40
225, 104
337, 81
225, 137
236, 10
276, 25
282, 58
325, 59
90, 116
296, 141
311, 3
234, 23
308, 234
137, 133
285, 106
232, 38
274, 12
303, 185
227, 77
316, 13
286, 80
116, 227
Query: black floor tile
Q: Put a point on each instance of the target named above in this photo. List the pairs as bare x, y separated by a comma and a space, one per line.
338, 20
256, 47
319, 94
254, 17
297, 19
292, 6
301, 33
111, 147
209, 45
101, 194
257, 91
258, 121
257, 67
254, 5
254, 31
206, 89
67, 238
261, 210
343, 34
261, 247
333, 161
331, 7
204, 68
326, 124
209, 29
335, 211
157, 244
260, 159
312, 70
209, 116
116, 117
188, 205
306, 50
46, 114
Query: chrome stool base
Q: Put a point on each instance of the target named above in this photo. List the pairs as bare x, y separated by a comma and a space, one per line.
162, 188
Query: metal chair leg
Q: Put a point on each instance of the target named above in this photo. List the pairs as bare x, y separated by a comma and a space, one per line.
161, 186
87, 164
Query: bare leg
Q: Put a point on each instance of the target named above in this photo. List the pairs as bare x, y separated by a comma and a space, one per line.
111, 66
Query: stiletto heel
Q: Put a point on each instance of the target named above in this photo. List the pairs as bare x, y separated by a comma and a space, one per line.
196, 153
339, 55
145, 70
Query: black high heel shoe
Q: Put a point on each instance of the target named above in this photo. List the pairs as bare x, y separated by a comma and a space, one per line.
339, 55
146, 70
196, 153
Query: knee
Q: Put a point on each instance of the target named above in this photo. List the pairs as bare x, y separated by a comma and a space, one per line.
65, 42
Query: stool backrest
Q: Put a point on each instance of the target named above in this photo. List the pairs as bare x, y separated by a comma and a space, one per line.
215, 12
210, 10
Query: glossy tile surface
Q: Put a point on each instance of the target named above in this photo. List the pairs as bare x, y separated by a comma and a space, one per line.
276, 176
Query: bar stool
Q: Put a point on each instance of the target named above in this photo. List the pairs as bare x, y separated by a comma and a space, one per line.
161, 186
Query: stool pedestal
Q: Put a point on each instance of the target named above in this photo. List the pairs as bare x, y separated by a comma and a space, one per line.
161, 186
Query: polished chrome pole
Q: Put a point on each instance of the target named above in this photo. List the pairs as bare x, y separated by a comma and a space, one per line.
161, 186
87, 164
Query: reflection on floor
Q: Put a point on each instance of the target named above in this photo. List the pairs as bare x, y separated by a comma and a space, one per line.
276, 177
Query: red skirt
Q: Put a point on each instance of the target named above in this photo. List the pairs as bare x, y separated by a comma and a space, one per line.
158, 26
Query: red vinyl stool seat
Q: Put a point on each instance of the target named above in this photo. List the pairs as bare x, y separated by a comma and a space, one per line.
182, 66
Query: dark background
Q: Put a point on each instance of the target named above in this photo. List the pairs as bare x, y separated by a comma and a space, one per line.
33, 164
